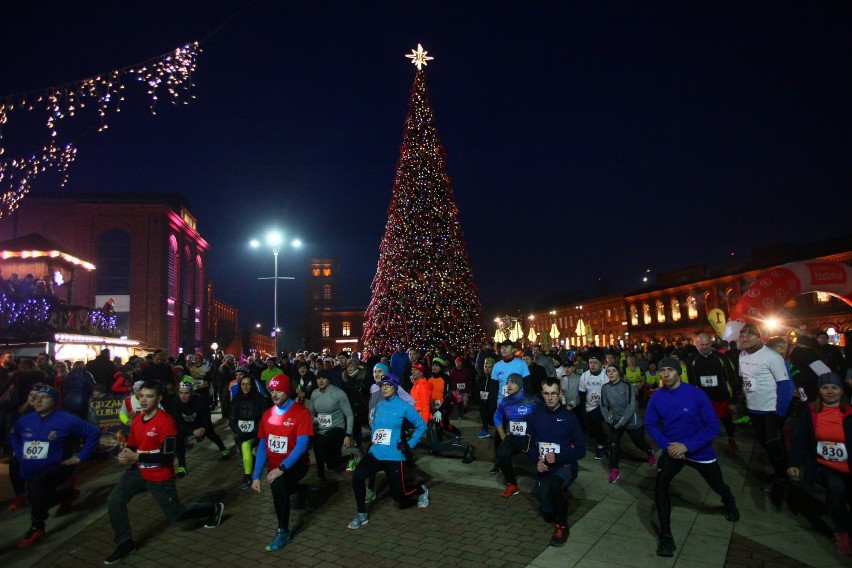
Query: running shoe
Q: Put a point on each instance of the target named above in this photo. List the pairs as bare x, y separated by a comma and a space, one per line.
181, 471
279, 541
124, 550
613, 475
483, 434
469, 455
350, 465
560, 535
666, 547
18, 502
599, 455
731, 512
225, 454
32, 537
743, 419
511, 489
495, 469
370, 497
423, 500
359, 521
246, 482
652, 461
215, 518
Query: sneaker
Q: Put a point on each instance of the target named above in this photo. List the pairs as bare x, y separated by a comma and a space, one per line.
350, 465
215, 519
599, 455
423, 500
652, 461
359, 521
65, 506
370, 497
245, 483
279, 541
666, 547
225, 454
495, 469
318, 484
33, 536
483, 434
181, 471
511, 489
743, 420
124, 550
560, 535
18, 502
469, 455
732, 445
613, 475
731, 512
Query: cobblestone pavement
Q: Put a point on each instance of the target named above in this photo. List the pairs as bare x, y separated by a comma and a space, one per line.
466, 524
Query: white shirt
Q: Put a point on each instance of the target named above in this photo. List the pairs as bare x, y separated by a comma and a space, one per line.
760, 372
591, 385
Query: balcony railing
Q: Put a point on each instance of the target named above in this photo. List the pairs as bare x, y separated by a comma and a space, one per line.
29, 317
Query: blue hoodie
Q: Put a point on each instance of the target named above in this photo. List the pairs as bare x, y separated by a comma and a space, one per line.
515, 408
683, 415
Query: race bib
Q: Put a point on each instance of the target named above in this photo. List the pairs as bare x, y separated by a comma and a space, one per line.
382, 437
277, 444
832, 451
35, 450
324, 420
709, 381
483, 395
461, 386
545, 448
245, 426
595, 397
517, 428
748, 384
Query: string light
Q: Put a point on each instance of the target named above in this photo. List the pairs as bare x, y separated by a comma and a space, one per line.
424, 292
168, 76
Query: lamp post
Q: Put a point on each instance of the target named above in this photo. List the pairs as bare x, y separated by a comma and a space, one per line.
275, 240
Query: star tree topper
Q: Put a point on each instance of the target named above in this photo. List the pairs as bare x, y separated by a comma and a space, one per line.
419, 58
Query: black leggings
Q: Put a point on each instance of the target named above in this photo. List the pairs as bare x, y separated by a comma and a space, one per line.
510, 446
400, 487
667, 469
769, 431
185, 430
282, 488
838, 496
637, 436
594, 420
327, 448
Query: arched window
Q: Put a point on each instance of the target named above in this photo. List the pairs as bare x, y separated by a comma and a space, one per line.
660, 308
634, 315
708, 301
186, 277
646, 314
675, 310
113, 273
730, 299
691, 308
347, 329
325, 329
326, 292
199, 282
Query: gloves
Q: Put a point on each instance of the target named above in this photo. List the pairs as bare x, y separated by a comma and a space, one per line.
403, 446
438, 416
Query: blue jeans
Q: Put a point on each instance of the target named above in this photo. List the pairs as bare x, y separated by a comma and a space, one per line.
164, 493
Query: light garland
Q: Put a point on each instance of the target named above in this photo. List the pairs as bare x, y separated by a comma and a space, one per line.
170, 73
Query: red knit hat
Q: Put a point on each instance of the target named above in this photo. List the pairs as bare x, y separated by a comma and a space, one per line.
280, 383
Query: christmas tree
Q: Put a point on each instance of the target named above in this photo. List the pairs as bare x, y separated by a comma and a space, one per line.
424, 294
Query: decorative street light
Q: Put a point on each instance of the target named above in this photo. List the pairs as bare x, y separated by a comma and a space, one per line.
275, 240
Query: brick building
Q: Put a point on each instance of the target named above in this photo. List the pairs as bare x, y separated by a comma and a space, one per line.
328, 325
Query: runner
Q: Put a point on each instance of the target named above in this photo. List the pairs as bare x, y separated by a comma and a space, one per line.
510, 421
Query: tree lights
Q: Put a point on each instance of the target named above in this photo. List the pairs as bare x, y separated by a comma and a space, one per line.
424, 293
168, 75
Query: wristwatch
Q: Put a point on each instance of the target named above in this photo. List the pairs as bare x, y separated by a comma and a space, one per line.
282, 467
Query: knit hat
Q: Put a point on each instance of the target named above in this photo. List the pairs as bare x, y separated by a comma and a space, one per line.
438, 361
669, 362
489, 361
515, 378
48, 390
185, 386
279, 383
383, 367
419, 367
138, 385
391, 379
830, 379
459, 360
751, 329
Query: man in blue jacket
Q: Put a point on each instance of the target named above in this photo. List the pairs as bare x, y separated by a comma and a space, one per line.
510, 421
557, 445
43, 442
681, 420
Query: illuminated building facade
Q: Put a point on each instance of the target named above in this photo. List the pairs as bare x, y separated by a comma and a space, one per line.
149, 255
327, 325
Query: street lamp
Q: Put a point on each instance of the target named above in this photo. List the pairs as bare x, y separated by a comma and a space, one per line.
275, 240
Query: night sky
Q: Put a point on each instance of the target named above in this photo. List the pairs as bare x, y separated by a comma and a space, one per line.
585, 141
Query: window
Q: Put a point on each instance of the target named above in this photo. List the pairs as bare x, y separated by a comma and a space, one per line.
325, 329
326, 292
675, 310
608, 315
634, 315
646, 314
316, 272
691, 308
346, 329
326, 272
661, 311
113, 273
730, 299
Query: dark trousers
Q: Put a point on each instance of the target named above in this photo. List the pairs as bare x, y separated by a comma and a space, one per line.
400, 487
769, 431
510, 446
43, 493
595, 420
667, 469
282, 488
327, 448
637, 436
436, 443
838, 496
164, 493
185, 430
18, 483
553, 492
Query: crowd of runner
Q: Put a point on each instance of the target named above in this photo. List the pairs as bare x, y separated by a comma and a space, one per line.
364, 413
